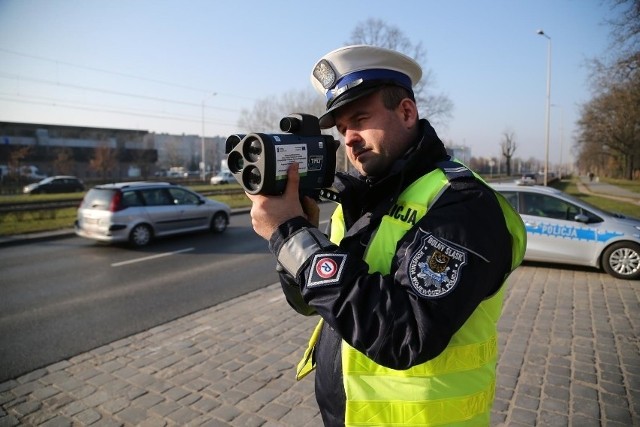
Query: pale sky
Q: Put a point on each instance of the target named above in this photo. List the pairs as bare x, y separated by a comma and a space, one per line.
150, 64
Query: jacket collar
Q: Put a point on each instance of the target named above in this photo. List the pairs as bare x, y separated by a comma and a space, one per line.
374, 196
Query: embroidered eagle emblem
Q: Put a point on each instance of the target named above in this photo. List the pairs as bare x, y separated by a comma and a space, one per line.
438, 262
435, 265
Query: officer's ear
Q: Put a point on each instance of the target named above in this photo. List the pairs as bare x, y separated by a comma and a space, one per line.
408, 112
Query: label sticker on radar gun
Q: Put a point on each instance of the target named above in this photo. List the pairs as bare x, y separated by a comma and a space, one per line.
287, 154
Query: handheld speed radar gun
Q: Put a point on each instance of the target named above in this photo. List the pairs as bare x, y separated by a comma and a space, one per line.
259, 161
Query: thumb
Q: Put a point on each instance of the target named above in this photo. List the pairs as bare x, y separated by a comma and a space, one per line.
293, 181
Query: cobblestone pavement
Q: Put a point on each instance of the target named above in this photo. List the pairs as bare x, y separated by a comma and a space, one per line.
569, 357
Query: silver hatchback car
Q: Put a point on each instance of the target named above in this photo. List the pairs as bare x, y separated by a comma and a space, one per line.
564, 229
137, 212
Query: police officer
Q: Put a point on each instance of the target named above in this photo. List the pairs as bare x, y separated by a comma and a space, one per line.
409, 282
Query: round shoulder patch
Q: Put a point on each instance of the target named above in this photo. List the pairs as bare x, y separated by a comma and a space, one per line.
435, 265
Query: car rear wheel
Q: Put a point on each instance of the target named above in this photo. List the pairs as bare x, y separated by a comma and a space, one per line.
140, 235
219, 222
622, 260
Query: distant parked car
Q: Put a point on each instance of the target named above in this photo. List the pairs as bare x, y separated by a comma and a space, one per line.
32, 173
55, 184
527, 179
564, 229
222, 178
137, 212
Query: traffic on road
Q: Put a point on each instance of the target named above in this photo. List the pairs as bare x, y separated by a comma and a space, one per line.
66, 296
63, 297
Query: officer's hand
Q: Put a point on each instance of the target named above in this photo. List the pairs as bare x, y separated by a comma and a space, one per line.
268, 212
311, 210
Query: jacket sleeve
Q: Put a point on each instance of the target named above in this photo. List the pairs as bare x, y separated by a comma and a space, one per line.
292, 293
390, 317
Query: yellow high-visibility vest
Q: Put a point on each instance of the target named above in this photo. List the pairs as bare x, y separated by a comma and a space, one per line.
455, 388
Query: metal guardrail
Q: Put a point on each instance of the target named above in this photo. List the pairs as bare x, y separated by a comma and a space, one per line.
74, 202
38, 206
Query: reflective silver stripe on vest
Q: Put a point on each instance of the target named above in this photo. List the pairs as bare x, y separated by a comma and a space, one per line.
300, 247
437, 196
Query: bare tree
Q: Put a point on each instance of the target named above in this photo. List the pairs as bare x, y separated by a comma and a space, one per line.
434, 106
508, 147
266, 113
622, 59
16, 157
104, 160
64, 163
610, 126
608, 136
625, 36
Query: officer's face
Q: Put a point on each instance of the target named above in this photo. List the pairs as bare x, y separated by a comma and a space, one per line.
373, 135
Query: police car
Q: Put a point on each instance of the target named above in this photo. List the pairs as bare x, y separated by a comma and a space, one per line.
564, 229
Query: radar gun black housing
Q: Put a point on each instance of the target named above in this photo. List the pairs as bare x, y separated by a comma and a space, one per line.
259, 161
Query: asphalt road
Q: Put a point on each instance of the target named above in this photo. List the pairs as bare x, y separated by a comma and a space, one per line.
67, 296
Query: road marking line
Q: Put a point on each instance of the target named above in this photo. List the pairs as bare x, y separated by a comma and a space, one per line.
147, 258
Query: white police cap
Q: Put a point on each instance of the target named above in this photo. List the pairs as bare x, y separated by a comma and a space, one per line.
352, 72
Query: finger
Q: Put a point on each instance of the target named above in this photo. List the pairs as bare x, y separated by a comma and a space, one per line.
293, 181
311, 210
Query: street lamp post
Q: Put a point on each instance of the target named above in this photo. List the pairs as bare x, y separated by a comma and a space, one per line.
561, 137
203, 164
546, 154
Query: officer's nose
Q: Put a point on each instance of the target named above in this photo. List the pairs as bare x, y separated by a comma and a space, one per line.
351, 137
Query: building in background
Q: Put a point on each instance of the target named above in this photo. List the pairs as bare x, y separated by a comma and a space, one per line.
186, 151
31, 151
460, 152
85, 152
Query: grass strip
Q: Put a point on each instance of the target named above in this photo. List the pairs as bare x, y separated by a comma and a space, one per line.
13, 223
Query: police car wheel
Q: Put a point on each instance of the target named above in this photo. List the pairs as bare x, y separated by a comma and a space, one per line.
622, 260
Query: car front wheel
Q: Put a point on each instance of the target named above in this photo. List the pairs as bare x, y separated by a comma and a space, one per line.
622, 260
140, 235
219, 222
